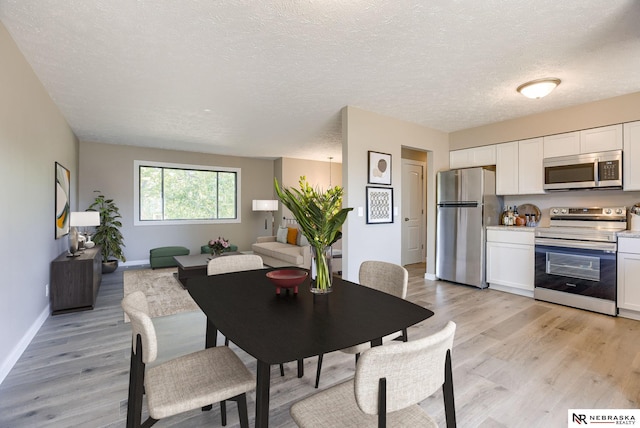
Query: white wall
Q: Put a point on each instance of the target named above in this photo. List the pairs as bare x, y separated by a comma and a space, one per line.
363, 131
33, 136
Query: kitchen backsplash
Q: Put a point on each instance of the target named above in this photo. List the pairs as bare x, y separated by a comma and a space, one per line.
574, 198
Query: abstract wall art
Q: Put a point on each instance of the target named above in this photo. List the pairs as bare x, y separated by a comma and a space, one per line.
63, 179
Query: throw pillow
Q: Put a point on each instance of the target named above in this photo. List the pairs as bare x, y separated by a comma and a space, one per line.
281, 236
292, 234
302, 240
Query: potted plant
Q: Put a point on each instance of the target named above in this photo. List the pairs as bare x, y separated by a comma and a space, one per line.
107, 234
320, 216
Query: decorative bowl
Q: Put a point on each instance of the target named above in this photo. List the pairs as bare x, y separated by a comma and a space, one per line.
287, 278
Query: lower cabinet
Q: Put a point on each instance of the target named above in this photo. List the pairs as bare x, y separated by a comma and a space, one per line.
510, 260
75, 281
628, 274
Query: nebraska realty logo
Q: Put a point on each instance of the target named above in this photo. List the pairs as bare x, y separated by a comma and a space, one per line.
600, 417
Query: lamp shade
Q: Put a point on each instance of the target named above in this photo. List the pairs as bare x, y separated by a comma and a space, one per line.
84, 218
265, 205
538, 88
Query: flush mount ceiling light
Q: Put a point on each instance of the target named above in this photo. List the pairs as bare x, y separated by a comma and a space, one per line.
538, 88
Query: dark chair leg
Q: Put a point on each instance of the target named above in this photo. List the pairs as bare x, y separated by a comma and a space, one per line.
281, 369
318, 370
447, 392
223, 412
242, 410
136, 386
382, 402
226, 342
357, 356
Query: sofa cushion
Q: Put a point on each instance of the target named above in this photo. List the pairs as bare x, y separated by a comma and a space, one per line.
281, 235
288, 253
292, 234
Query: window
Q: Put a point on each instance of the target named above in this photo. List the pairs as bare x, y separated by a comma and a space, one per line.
185, 194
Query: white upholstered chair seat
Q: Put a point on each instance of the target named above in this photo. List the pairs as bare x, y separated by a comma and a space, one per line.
195, 380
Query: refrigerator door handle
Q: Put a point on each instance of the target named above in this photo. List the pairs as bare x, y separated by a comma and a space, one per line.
462, 204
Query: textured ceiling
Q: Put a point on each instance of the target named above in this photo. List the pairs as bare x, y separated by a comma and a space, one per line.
269, 78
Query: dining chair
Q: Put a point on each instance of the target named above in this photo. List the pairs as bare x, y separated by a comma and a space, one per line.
234, 263
185, 383
383, 276
389, 383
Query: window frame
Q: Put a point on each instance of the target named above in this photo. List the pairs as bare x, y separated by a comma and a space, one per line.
136, 193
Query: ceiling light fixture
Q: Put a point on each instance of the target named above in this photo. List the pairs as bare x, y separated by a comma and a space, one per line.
538, 88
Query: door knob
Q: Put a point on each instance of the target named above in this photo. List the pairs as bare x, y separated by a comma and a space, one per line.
406, 219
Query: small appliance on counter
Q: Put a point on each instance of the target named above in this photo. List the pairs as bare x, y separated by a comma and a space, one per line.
634, 217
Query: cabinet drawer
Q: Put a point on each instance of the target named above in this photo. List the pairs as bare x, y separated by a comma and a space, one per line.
629, 245
525, 237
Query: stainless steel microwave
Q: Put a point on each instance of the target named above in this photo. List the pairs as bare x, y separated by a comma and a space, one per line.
585, 171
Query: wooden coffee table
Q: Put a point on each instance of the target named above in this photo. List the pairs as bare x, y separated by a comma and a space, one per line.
195, 265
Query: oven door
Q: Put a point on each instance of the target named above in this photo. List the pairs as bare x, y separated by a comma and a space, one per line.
577, 267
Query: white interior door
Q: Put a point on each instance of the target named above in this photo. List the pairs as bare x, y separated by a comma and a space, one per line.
413, 222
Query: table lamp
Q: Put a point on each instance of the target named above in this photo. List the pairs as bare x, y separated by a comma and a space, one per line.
266, 205
82, 219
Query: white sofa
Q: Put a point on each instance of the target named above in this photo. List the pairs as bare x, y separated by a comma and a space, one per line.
278, 254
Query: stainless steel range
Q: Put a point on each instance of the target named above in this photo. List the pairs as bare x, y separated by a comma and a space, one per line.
576, 258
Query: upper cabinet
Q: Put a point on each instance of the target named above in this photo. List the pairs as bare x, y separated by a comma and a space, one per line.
601, 139
562, 144
519, 167
531, 170
631, 156
475, 156
507, 168
592, 140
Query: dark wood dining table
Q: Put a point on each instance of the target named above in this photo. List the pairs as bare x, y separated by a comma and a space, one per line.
277, 329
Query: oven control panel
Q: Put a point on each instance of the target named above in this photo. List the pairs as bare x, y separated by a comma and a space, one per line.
607, 213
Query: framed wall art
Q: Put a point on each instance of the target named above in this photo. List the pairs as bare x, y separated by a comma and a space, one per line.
379, 205
379, 168
63, 180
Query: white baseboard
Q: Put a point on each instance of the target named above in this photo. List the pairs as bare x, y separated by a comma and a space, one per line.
17, 351
512, 290
430, 276
134, 263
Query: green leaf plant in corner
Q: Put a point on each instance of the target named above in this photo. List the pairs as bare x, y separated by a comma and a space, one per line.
320, 217
108, 235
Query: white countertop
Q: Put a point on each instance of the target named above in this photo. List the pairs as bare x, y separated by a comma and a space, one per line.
629, 234
518, 228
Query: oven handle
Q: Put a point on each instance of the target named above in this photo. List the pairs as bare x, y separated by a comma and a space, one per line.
608, 247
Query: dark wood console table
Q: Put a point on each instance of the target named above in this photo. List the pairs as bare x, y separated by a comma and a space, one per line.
75, 281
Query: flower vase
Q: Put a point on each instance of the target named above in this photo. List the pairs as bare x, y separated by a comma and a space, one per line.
321, 275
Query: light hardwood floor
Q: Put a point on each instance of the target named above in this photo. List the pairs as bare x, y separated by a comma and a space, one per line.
517, 362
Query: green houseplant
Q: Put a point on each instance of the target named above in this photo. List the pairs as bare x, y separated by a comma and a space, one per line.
320, 216
108, 234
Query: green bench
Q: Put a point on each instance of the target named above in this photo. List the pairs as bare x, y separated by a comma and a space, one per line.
163, 257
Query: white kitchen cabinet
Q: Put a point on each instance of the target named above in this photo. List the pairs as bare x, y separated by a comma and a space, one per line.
510, 260
519, 167
475, 156
507, 168
530, 168
601, 139
628, 274
562, 144
631, 157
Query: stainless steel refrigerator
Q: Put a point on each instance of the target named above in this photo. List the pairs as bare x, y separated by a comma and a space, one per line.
467, 203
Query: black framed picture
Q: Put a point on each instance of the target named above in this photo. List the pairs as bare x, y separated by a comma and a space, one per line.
379, 168
379, 205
